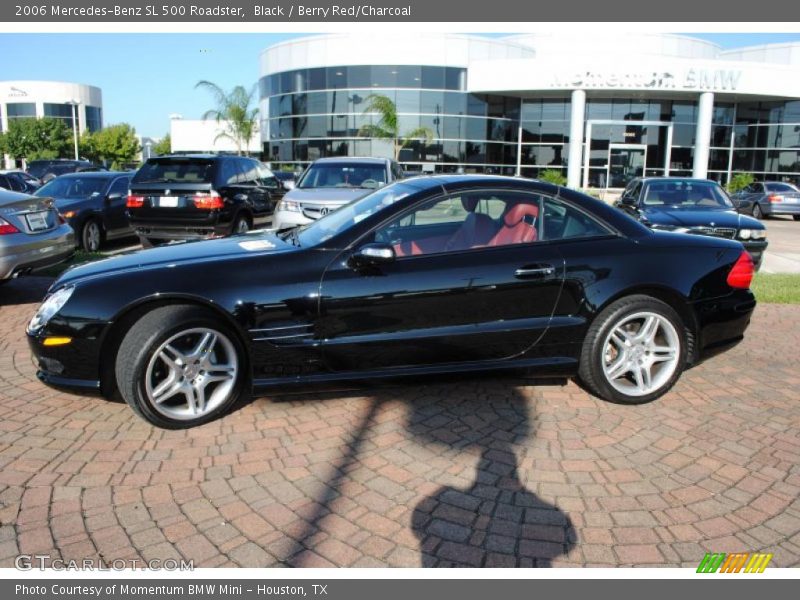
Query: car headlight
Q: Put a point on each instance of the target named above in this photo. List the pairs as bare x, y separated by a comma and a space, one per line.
289, 205
752, 234
47, 310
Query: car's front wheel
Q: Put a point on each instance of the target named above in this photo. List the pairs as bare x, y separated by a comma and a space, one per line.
796, 217
179, 366
634, 352
91, 236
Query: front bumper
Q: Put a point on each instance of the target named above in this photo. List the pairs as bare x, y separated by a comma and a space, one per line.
73, 367
20, 252
287, 219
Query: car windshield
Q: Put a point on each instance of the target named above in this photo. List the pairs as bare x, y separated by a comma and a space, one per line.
73, 187
343, 174
686, 194
780, 187
175, 170
348, 215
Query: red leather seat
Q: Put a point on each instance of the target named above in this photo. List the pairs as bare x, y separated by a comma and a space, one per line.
519, 226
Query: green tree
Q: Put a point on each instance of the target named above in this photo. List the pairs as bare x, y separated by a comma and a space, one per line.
114, 145
740, 181
37, 138
164, 146
554, 176
234, 111
388, 126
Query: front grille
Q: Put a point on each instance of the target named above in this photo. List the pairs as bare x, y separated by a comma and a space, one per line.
315, 212
721, 232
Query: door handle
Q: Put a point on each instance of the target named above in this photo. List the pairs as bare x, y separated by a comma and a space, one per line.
535, 272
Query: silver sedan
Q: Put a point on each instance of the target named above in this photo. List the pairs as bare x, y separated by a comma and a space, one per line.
32, 234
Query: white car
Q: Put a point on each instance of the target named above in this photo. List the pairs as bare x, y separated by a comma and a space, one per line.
330, 183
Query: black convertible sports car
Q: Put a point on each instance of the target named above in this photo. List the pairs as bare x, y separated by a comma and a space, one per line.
428, 275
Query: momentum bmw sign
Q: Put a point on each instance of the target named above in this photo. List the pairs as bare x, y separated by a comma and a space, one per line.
690, 79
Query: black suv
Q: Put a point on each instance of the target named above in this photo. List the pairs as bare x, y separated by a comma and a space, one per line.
183, 197
45, 170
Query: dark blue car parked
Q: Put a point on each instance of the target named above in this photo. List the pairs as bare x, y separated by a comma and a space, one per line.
93, 204
697, 206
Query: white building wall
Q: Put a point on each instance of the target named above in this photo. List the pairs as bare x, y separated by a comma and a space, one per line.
55, 92
189, 135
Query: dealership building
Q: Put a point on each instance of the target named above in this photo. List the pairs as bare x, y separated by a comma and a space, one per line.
600, 111
55, 99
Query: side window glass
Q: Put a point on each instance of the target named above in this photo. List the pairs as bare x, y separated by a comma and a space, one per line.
266, 178
562, 221
229, 172
249, 175
465, 222
120, 186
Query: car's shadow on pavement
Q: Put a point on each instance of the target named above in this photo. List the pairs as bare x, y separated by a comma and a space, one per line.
24, 290
493, 522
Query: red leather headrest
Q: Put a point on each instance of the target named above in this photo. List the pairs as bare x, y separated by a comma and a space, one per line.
518, 212
470, 203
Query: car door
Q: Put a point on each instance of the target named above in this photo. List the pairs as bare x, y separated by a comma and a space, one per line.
116, 219
272, 186
257, 196
464, 286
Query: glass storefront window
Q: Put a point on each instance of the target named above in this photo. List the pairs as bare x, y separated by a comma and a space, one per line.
20, 110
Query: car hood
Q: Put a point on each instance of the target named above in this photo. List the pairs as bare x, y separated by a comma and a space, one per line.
684, 217
179, 254
336, 196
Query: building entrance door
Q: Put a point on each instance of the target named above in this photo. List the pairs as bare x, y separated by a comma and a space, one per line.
625, 161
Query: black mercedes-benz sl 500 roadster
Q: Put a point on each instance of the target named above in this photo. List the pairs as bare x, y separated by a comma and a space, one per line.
439, 274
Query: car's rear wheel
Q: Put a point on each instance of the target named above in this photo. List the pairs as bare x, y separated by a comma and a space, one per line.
796, 217
241, 225
757, 212
179, 366
91, 236
634, 352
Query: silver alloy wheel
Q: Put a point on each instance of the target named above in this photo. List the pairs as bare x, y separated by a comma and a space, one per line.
91, 236
242, 226
192, 374
641, 353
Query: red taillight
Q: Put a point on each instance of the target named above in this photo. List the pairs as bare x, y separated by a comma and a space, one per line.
209, 202
741, 274
7, 228
135, 201
774, 198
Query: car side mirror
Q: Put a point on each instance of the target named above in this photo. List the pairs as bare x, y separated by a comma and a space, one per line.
372, 255
628, 201
115, 196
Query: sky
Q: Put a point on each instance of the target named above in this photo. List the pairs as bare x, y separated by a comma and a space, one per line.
147, 77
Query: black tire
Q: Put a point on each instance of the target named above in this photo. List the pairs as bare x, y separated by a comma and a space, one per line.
591, 372
757, 212
796, 217
145, 337
91, 236
241, 225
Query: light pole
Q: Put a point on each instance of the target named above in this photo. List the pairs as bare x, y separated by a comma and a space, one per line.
74, 104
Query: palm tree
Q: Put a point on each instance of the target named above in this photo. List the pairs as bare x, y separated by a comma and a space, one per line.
388, 127
233, 109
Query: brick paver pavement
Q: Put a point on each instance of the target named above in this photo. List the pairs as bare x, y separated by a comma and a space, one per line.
482, 472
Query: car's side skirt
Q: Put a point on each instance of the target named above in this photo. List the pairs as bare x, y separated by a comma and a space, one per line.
556, 366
